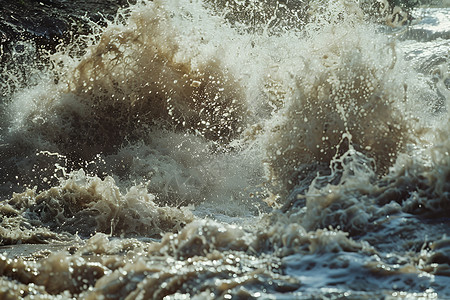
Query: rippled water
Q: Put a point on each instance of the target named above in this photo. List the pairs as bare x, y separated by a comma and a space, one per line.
231, 150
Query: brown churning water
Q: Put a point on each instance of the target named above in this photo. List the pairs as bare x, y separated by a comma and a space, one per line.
233, 150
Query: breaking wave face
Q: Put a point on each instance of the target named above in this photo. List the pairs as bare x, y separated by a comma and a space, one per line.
229, 146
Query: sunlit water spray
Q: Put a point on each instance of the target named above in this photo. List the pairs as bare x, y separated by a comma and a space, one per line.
230, 149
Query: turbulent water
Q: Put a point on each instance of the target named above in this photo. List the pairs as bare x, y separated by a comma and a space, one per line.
231, 150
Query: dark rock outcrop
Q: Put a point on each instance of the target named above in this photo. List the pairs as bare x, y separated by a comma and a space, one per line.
48, 22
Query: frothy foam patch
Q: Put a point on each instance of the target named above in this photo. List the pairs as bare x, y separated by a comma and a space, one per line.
202, 259
84, 205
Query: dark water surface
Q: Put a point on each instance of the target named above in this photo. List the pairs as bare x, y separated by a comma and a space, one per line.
226, 150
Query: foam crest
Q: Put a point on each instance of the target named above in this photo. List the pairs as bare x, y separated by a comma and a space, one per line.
141, 73
355, 100
148, 71
151, 70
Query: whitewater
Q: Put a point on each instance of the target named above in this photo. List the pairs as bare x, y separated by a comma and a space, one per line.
213, 149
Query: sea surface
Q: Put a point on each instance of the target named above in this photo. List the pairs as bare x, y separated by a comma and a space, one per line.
219, 149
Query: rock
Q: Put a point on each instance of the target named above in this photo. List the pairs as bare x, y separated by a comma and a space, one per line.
48, 22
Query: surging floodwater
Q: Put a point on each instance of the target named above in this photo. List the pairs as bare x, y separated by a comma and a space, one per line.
232, 150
